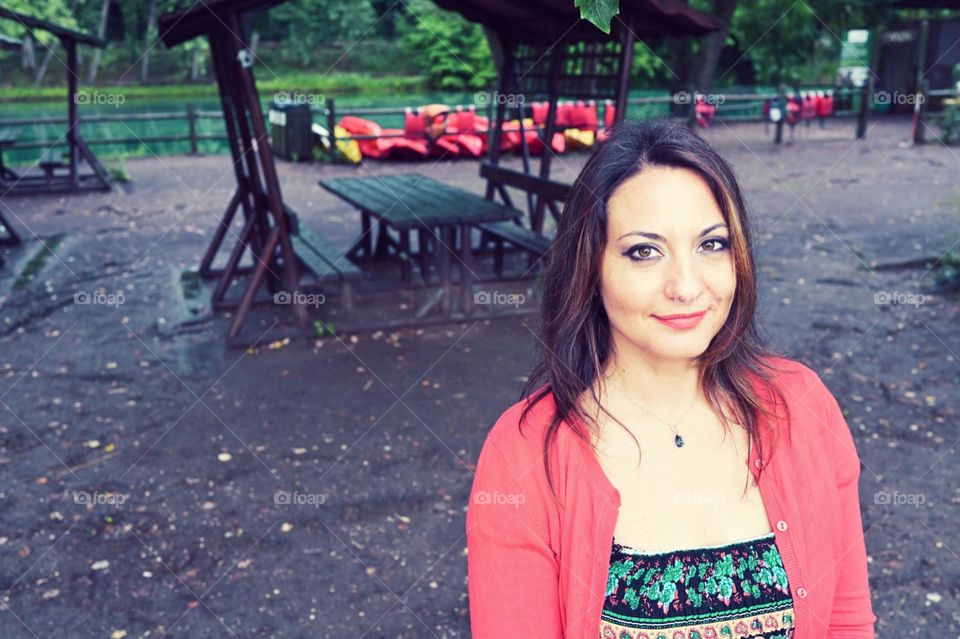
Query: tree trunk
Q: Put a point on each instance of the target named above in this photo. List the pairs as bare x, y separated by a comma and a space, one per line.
254, 41
42, 71
95, 61
680, 59
712, 45
28, 59
195, 64
151, 27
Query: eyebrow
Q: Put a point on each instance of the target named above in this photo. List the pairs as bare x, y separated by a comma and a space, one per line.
655, 236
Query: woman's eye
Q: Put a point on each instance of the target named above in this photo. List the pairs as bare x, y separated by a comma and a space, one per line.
646, 252
721, 244
640, 252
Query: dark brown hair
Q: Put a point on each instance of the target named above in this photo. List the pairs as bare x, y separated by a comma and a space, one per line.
574, 340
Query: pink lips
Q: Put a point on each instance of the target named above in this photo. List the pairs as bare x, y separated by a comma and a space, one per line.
681, 321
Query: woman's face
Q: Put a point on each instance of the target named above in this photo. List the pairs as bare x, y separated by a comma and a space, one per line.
667, 254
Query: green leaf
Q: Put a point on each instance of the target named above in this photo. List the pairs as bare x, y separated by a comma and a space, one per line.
599, 12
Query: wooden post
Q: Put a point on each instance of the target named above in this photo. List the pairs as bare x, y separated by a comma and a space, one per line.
919, 108
627, 43
864, 107
73, 122
331, 124
192, 127
921, 83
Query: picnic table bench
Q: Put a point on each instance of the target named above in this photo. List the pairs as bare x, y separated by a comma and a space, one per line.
439, 213
321, 259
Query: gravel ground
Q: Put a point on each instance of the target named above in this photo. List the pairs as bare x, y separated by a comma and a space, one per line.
142, 458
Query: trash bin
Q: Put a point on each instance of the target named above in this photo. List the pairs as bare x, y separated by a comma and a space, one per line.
290, 131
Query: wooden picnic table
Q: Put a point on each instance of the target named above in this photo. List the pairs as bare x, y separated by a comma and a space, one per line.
408, 202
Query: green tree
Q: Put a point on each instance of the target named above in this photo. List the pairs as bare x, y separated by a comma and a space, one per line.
306, 25
450, 51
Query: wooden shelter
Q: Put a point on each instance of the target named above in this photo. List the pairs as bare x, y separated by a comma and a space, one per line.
61, 173
546, 50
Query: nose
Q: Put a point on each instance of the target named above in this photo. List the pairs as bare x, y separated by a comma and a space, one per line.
683, 284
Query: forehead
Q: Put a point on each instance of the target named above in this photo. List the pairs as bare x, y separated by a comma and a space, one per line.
665, 200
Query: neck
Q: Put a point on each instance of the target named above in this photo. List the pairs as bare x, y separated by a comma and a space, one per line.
666, 388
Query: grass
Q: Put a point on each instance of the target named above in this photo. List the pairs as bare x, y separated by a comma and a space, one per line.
330, 83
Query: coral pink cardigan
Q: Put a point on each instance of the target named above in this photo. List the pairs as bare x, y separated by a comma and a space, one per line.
538, 569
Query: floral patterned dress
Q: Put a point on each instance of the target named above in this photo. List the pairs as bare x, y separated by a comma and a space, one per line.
718, 592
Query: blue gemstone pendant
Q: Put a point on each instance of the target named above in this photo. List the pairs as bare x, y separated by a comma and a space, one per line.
679, 440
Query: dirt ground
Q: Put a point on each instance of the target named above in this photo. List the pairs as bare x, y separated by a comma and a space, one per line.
142, 458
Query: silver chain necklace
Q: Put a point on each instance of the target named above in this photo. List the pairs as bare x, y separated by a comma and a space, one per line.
677, 438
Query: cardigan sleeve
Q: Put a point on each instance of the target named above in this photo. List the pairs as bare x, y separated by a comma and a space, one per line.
852, 615
513, 572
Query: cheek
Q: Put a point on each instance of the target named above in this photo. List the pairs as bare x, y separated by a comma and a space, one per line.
625, 289
721, 283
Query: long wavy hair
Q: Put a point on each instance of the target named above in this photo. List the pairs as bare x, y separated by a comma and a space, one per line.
574, 334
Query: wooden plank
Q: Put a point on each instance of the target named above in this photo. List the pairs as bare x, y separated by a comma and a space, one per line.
470, 208
521, 236
412, 200
418, 207
550, 189
356, 191
338, 261
399, 211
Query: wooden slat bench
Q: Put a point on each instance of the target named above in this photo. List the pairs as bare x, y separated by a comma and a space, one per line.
498, 179
325, 262
50, 161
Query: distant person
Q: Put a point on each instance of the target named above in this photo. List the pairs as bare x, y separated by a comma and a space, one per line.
808, 108
793, 112
772, 112
665, 472
704, 111
824, 107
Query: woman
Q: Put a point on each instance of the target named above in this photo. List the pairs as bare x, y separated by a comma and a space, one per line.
666, 474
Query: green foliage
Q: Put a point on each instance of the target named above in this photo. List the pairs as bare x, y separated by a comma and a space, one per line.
599, 12
53, 10
321, 328
117, 170
798, 42
949, 122
305, 25
452, 53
